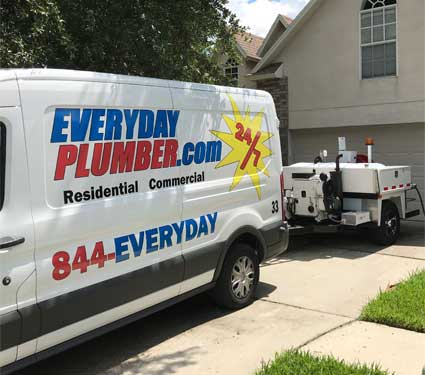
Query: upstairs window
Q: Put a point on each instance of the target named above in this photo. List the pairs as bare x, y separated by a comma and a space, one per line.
378, 28
231, 70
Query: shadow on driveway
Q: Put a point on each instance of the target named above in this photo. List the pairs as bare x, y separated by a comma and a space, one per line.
122, 351
354, 244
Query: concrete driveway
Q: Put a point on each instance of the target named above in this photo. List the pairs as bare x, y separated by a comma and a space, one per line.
310, 298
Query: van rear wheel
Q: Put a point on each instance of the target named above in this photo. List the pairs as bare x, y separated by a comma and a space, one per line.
237, 283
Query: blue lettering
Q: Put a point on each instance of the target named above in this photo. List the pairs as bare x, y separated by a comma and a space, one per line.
200, 152
136, 245
179, 231
121, 247
213, 151
161, 130
203, 226
146, 119
212, 219
130, 121
191, 229
165, 236
151, 240
187, 155
96, 125
113, 124
79, 125
59, 124
173, 117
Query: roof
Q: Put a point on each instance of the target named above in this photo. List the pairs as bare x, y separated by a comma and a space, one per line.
250, 44
286, 18
268, 72
280, 24
293, 28
269, 69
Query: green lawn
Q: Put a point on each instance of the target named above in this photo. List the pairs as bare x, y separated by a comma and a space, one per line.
402, 307
294, 362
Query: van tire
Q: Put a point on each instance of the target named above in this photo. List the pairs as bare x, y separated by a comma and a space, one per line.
241, 257
389, 231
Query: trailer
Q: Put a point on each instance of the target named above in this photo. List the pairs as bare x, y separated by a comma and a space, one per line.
352, 192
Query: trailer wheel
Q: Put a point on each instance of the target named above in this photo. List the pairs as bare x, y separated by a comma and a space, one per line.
389, 231
238, 279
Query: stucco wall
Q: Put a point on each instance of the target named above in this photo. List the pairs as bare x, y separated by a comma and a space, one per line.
246, 68
322, 62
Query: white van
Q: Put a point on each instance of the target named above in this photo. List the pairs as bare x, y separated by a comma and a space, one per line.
121, 195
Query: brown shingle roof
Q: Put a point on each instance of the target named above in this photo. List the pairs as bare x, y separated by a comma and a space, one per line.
250, 43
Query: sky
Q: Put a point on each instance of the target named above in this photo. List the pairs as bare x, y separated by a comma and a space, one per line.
259, 15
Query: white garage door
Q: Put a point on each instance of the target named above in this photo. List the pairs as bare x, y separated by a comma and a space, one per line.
394, 145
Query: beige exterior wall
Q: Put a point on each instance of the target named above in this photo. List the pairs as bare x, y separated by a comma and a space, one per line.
322, 62
246, 68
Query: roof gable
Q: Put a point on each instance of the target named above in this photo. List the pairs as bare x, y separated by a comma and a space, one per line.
280, 24
292, 29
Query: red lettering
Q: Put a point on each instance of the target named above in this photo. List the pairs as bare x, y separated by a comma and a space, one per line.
98, 257
157, 154
82, 170
123, 157
170, 153
60, 262
67, 155
80, 261
143, 155
101, 158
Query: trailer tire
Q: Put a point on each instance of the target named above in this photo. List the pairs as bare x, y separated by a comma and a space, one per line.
389, 231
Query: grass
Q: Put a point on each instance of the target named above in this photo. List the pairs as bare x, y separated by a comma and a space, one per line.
295, 362
402, 306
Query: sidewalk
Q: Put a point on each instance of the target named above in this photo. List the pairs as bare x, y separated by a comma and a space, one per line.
394, 349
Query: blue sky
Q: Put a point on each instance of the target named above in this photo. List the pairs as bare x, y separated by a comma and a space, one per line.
259, 15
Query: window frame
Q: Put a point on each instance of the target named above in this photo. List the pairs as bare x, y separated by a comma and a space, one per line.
228, 67
383, 42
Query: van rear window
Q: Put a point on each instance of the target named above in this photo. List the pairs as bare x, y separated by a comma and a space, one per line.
2, 161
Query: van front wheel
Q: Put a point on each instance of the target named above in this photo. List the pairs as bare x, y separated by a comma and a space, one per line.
237, 283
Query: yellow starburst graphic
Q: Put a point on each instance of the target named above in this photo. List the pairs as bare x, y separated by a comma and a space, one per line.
246, 140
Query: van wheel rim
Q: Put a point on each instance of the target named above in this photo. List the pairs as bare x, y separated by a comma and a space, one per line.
242, 277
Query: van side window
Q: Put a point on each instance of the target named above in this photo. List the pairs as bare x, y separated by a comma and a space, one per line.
2, 162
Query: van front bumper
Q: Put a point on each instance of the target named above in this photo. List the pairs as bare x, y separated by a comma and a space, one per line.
276, 237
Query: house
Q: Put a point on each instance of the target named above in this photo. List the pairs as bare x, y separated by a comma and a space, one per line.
247, 45
251, 47
352, 68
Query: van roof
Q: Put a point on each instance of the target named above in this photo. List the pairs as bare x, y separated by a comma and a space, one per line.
79, 75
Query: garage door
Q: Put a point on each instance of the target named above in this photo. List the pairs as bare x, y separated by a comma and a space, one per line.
394, 145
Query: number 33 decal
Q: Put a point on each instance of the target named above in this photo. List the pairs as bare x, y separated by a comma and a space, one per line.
275, 207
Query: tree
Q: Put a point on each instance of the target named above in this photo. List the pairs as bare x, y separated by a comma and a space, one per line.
32, 34
167, 39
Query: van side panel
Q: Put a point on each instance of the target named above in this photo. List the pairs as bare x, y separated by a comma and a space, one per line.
235, 144
16, 262
97, 223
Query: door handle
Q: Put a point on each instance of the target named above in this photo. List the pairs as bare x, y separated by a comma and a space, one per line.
6, 242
